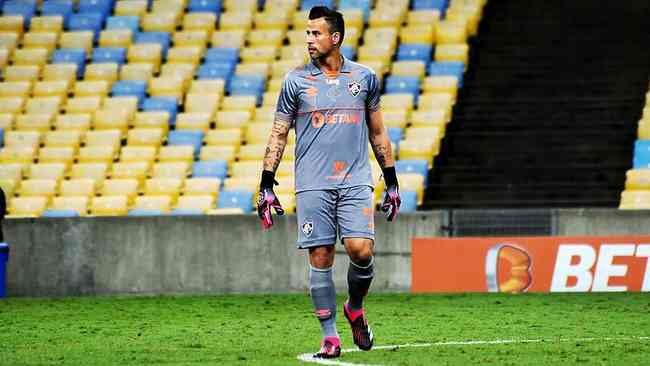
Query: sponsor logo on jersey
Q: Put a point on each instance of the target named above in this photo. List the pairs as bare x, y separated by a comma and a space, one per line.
318, 119
354, 88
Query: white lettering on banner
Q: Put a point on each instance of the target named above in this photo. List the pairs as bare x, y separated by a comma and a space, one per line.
643, 250
605, 268
564, 269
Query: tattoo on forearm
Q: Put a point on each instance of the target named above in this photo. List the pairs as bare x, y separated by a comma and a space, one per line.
382, 149
275, 147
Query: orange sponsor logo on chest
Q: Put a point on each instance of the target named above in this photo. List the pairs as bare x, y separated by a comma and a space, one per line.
318, 119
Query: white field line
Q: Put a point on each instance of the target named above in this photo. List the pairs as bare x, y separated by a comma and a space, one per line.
308, 357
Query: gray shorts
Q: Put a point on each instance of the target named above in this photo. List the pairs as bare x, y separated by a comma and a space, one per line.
322, 214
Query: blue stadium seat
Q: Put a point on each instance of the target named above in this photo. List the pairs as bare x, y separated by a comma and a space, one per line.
60, 213
163, 38
247, 85
186, 137
87, 22
409, 201
71, 56
216, 70
211, 169
109, 55
222, 55
103, 7
2, 137
205, 6
430, 4
136, 88
185, 212
236, 199
308, 4
364, 5
165, 104
395, 134
641, 154
124, 22
451, 68
349, 52
414, 166
143, 212
408, 52
403, 84
63, 8
26, 8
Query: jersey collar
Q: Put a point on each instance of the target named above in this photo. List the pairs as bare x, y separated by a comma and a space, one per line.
345, 67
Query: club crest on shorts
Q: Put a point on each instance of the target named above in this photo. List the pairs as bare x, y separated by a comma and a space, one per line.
307, 228
354, 88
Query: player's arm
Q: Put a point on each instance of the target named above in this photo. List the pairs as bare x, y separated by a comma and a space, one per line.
379, 140
276, 144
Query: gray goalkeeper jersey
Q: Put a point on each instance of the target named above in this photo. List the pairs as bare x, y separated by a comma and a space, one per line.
329, 114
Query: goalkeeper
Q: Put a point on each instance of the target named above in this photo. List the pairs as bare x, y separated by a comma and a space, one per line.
333, 104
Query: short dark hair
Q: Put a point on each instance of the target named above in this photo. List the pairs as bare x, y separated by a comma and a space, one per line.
333, 18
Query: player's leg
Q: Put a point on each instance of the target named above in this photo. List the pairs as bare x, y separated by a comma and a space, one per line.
356, 221
317, 233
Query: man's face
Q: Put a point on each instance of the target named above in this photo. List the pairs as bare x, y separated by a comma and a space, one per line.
320, 42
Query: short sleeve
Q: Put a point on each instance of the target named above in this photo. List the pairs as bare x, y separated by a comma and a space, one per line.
287, 108
372, 100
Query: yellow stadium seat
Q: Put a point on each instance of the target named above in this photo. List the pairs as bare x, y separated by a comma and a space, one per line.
77, 121
250, 184
193, 121
54, 88
452, 52
271, 20
77, 39
419, 149
185, 54
191, 38
230, 20
259, 54
12, 171
102, 71
216, 86
97, 154
450, 32
109, 206
9, 41
247, 6
227, 153
177, 153
285, 185
52, 171
252, 152
146, 137
424, 16
202, 103
239, 103
183, 71
377, 52
381, 36
436, 101
637, 179
138, 170
127, 187
45, 24
46, 105
94, 171
395, 118
15, 89
84, 187
266, 37
115, 38
298, 37
635, 200
92, 88
111, 119
299, 20
163, 187
27, 206
418, 34
130, 7
408, 68
254, 68
298, 52
23, 139
63, 155
60, 72
384, 18
7, 121
280, 68
265, 113
232, 119
440, 84
426, 133
169, 6
37, 187
431, 117
9, 187
139, 71
224, 137
41, 122
159, 22
30, 56
200, 21
161, 204
247, 169
270, 99
275, 84
166, 87
138, 153
78, 204
176, 169
152, 119
12, 105
234, 38
145, 53
397, 101
353, 18
643, 130
46, 40
202, 186
21, 73
127, 104
198, 203
110, 138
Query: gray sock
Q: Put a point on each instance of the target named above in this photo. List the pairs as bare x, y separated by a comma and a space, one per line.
323, 296
359, 279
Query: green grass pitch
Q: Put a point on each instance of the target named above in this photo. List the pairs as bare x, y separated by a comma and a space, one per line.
589, 329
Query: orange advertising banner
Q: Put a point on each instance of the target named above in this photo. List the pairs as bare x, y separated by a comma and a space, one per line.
531, 264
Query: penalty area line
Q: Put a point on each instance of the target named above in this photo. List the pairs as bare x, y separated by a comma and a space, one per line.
308, 357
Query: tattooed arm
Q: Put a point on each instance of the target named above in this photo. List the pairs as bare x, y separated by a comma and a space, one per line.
379, 140
276, 144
